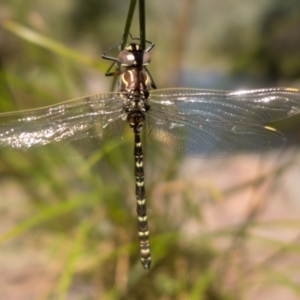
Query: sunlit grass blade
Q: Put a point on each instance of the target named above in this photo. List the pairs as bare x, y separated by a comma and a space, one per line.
201, 285
68, 272
46, 214
281, 279
97, 156
47, 43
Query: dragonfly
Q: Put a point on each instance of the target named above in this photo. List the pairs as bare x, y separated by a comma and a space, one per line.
194, 122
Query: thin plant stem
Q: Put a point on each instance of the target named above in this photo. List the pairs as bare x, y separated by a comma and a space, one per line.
125, 33
128, 23
142, 18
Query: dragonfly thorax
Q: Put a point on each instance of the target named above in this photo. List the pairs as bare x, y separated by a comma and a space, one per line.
135, 82
134, 85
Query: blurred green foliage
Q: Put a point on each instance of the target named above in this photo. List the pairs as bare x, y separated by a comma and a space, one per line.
274, 54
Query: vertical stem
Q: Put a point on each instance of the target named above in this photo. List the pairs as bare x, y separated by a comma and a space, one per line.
125, 33
128, 23
142, 18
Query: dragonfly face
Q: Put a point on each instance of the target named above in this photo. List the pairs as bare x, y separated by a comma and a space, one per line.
195, 122
133, 56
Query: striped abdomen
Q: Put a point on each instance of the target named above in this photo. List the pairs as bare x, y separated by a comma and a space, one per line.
141, 203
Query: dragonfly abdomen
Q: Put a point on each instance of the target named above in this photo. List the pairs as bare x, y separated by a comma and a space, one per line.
141, 204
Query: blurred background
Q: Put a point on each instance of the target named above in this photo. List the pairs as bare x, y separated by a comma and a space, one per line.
220, 229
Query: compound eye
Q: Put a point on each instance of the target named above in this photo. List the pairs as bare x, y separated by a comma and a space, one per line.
126, 58
146, 58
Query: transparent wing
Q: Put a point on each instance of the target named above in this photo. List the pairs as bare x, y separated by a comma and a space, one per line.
206, 123
95, 117
249, 107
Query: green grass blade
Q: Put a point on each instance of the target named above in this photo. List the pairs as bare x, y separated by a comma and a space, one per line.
42, 41
46, 214
69, 269
201, 285
281, 279
128, 22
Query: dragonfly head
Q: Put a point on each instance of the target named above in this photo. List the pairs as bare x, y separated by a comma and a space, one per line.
134, 55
